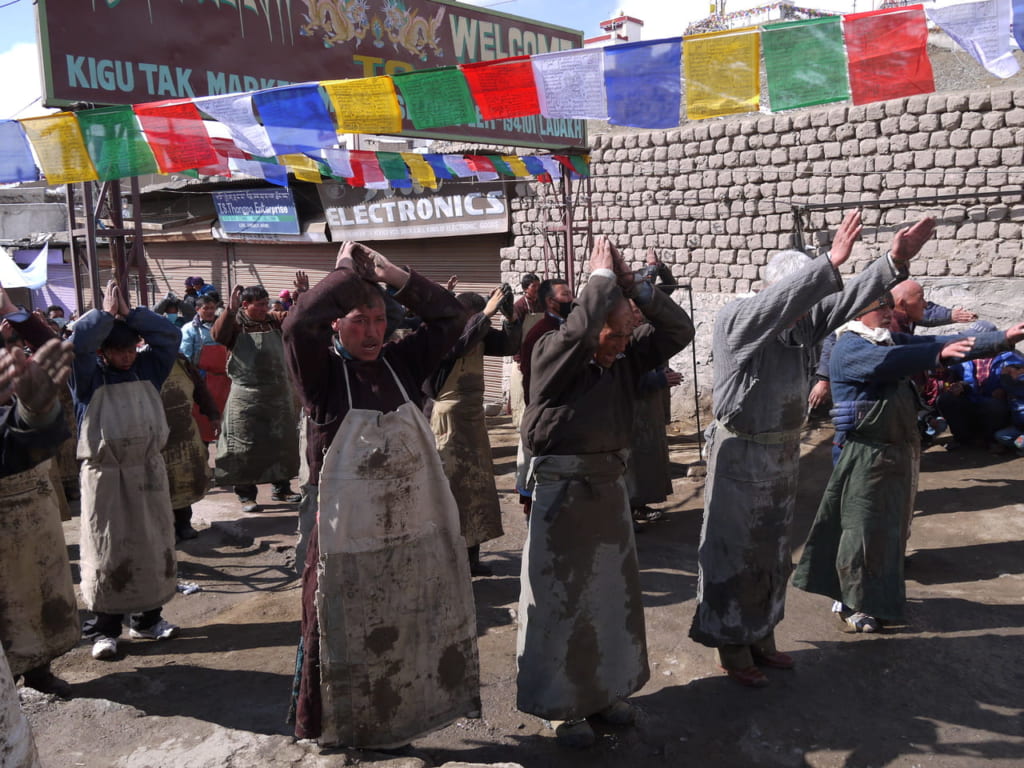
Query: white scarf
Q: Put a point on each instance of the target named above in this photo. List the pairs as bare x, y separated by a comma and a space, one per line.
880, 336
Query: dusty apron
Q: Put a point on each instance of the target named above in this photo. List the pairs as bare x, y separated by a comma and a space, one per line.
854, 552
582, 642
127, 551
38, 612
213, 362
516, 395
649, 473
67, 462
259, 438
398, 654
17, 748
461, 431
185, 453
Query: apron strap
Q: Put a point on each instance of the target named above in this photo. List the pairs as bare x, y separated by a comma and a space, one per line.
348, 385
395, 377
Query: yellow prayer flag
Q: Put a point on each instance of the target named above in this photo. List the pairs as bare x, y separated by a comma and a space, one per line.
366, 105
58, 143
420, 169
302, 167
722, 73
518, 166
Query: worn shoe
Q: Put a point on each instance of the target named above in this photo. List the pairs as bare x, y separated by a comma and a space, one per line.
44, 681
162, 630
777, 660
645, 514
752, 677
287, 495
249, 506
619, 713
576, 734
861, 622
104, 648
185, 532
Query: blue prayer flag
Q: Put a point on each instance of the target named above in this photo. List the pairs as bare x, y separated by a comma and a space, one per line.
16, 163
296, 118
1018, 22
437, 163
642, 81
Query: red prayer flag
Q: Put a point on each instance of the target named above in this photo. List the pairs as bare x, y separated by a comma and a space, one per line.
367, 168
503, 89
223, 149
175, 133
480, 164
888, 54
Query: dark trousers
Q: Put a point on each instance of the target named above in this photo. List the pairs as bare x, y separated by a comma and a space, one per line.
182, 516
969, 420
112, 624
248, 492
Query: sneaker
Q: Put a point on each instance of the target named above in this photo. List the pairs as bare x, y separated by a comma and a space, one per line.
249, 506
104, 648
576, 734
286, 495
162, 630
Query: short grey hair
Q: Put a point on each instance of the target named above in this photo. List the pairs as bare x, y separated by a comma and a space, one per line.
783, 264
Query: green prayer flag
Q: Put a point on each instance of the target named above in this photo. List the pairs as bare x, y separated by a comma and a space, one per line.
580, 164
435, 98
393, 166
116, 143
805, 63
501, 166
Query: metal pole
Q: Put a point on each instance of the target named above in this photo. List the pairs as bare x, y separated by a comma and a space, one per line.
138, 248
76, 266
696, 394
90, 247
570, 269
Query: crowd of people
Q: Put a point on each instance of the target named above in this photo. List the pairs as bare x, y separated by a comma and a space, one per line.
369, 388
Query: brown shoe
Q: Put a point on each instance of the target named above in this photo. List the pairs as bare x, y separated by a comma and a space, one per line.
777, 660
752, 677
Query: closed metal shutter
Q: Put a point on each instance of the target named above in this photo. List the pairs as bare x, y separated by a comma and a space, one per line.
169, 264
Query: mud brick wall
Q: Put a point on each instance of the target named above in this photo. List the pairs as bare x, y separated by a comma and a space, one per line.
716, 198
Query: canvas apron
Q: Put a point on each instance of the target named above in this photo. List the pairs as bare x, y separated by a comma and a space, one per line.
185, 454
38, 612
516, 395
854, 551
582, 642
17, 748
259, 438
649, 473
127, 550
461, 431
213, 362
398, 655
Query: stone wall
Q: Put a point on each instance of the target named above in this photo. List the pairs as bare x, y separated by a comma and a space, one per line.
715, 198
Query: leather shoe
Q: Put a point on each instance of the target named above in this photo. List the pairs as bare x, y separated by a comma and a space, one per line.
777, 660
288, 496
752, 677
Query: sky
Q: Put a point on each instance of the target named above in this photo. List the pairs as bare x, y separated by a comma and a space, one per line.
21, 87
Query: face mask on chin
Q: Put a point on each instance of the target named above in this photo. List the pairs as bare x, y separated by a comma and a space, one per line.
564, 308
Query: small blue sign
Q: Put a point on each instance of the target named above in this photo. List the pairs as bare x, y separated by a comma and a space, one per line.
257, 212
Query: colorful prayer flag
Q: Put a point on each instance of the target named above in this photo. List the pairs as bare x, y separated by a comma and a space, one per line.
438, 166
981, 28
459, 165
176, 134
16, 161
234, 112
57, 141
338, 161
369, 169
422, 172
501, 166
1018, 23
805, 63
365, 105
888, 55
116, 143
296, 118
642, 82
570, 84
551, 166
516, 165
301, 167
503, 89
395, 169
436, 98
723, 73
482, 167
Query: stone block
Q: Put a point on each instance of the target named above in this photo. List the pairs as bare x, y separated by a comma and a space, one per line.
918, 141
1002, 100
1012, 157
632, 141
986, 230
948, 121
989, 157
895, 107
907, 123
917, 105
980, 100
941, 267
833, 149
970, 121
924, 160
981, 138
716, 129
836, 116
966, 158
846, 131
959, 138
1014, 118
992, 121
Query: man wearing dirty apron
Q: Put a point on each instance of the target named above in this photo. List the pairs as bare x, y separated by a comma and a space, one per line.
38, 610
388, 647
259, 437
127, 546
582, 646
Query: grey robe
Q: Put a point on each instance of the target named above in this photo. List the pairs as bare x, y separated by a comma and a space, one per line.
764, 349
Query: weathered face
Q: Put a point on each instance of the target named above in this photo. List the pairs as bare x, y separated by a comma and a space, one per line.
913, 304
121, 358
878, 318
362, 331
207, 312
531, 291
257, 310
615, 336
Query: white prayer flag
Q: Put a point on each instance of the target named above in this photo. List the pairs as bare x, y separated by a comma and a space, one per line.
570, 84
34, 276
980, 27
234, 111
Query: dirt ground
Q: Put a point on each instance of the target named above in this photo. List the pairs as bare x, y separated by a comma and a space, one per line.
944, 690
